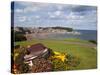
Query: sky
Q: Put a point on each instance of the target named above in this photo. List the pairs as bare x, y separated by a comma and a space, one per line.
34, 14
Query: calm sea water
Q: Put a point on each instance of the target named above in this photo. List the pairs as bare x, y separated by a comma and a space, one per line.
84, 34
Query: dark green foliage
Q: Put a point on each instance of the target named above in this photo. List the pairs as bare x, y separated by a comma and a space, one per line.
93, 41
65, 28
24, 68
22, 30
20, 37
72, 61
58, 65
17, 46
50, 52
19, 58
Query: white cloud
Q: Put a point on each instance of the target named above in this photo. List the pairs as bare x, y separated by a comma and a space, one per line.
60, 7
60, 14
22, 18
27, 10
37, 16
57, 13
18, 10
33, 4
24, 3
31, 18
51, 15
30, 9
34, 13
73, 16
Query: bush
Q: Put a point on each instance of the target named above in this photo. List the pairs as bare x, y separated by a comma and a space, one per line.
93, 41
72, 61
19, 60
24, 68
58, 65
64, 28
20, 37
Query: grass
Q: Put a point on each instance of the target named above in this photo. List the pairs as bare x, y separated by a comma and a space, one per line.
76, 40
87, 55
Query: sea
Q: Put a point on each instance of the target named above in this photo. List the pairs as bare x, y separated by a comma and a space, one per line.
84, 35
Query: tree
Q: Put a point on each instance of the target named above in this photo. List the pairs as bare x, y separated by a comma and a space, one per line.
20, 37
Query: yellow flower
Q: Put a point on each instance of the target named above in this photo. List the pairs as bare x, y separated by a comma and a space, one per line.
61, 57
15, 55
58, 55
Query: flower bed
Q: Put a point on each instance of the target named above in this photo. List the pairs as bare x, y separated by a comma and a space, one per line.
56, 61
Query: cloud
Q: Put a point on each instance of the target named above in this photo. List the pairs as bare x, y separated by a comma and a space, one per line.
36, 17
18, 11
60, 7
29, 6
84, 8
58, 13
22, 18
76, 16
26, 10
72, 16
52, 16
30, 9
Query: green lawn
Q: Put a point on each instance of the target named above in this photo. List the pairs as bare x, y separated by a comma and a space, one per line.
87, 55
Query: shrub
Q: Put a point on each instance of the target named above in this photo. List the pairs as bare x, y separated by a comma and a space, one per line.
20, 37
58, 61
60, 57
19, 60
93, 41
58, 65
72, 61
24, 68
51, 52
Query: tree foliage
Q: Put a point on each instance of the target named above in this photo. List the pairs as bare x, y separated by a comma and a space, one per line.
20, 37
93, 41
